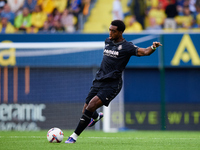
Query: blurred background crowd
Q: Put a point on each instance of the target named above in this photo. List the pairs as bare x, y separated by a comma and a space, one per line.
167, 15
61, 16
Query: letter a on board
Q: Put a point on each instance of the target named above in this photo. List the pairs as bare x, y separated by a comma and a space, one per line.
191, 53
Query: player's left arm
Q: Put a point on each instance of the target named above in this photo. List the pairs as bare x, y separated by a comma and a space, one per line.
149, 50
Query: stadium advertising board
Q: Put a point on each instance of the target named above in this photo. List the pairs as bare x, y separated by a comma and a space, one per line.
38, 116
147, 116
136, 116
21, 116
82, 50
86, 50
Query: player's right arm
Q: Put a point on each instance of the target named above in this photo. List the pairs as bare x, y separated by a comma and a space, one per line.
149, 50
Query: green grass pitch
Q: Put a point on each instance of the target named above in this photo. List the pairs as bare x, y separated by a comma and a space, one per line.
98, 140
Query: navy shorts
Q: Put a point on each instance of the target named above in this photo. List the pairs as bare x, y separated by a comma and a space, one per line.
105, 93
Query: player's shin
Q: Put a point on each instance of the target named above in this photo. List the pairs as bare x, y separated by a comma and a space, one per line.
95, 115
84, 121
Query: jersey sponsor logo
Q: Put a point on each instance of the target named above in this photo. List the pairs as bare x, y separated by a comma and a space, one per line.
119, 47
111, 53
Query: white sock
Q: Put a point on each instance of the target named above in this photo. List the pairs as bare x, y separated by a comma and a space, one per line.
74, 136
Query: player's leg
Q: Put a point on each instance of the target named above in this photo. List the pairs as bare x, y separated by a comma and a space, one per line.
94, 120
106, 94
103, 97
94, 104
95, 115
93, 92
84, 107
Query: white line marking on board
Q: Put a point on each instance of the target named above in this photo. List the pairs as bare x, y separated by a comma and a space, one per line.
58, 48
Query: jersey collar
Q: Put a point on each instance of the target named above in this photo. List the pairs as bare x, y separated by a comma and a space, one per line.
118, 42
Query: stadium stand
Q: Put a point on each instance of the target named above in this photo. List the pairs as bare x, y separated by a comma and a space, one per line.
101, 16
95, 15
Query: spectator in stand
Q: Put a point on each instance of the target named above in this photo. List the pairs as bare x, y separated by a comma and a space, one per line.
138, 11
165, 3
60, 5
182, 3
179, 7
151, 3
47, 5
186, 21
56, 14
158, 13
30, 4
153, 26
75, 6
171, 12
6, 27
45, 28
67, 20
86, 6
57, 27
192, 6
15, 5
38, 17
117, 10
23, 21
128, 13
197, 15
7, 13
2, 3
132, 25
32, 29
50, 20
197, 3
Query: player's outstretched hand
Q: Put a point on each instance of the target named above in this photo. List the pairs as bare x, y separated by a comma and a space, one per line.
156, 44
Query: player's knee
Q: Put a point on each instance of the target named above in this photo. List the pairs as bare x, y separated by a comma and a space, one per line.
94, 104
91, 107
84, 107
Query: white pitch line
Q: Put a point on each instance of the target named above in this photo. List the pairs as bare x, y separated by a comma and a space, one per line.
140, 138
22, 137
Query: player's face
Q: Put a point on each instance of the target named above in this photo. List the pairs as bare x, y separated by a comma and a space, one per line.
114, 34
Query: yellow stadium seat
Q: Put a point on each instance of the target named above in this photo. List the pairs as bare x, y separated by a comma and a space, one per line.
101, 16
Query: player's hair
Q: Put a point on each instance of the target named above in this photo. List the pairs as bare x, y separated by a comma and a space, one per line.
120, 25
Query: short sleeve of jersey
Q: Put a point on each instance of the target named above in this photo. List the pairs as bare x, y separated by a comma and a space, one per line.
107, 40
132, 49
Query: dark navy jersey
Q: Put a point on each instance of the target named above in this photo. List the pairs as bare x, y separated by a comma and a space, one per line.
115, 59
